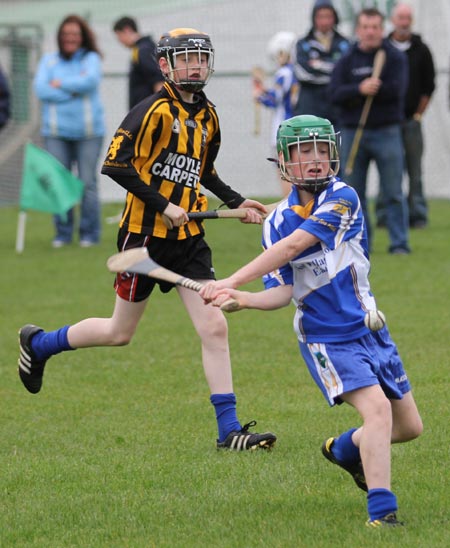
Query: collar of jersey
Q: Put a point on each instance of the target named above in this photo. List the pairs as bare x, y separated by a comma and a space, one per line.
172, 92
303, 211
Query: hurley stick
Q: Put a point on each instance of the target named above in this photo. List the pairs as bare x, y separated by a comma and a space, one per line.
239, 213
378, 64
258, 76
137, 261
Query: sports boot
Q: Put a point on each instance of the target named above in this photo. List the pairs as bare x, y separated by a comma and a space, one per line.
390, 520
354, 469
31, 370
243, 439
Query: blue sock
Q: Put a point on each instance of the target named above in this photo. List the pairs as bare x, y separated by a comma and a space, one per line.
46, 344
381, 502
227, 421
344, 449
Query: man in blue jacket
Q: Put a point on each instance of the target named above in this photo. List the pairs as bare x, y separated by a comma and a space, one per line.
351, 84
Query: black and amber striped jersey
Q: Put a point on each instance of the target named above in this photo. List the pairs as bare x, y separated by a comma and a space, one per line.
164, 151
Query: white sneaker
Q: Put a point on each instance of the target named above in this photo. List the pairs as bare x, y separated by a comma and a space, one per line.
56, 244
87, 243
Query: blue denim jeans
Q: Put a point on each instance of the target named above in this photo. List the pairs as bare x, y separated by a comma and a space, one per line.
384, 146
413, 145
413, 150
83, 155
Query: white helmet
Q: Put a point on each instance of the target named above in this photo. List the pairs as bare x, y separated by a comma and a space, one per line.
281, 42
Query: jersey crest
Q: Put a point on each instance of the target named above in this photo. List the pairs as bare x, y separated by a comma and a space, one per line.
114, 147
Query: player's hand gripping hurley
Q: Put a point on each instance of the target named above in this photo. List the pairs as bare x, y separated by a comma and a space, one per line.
378, 64
239, 213
137, 261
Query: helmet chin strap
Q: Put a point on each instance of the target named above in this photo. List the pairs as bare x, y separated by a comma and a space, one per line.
315, 186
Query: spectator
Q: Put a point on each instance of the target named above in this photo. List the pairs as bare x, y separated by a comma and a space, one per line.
145, 77
351, 84
420, 89
67, 84
4, 99
314, 58
283, 94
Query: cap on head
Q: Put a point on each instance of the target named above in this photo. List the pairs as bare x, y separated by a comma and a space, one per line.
182, 41
302, 129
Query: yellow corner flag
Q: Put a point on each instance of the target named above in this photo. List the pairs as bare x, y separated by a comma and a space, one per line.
46, 184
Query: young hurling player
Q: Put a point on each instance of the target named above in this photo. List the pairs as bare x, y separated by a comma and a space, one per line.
316, 254
161, 153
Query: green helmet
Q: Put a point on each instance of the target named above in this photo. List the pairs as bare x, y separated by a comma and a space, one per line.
303, 129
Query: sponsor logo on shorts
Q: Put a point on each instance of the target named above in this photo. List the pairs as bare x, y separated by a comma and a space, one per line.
403, 378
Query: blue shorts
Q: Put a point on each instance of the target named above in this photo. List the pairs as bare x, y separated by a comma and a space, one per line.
340, 367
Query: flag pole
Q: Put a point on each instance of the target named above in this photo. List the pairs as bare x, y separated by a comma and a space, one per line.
20, 236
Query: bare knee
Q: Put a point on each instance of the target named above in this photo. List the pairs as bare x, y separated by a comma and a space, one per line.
120, 337
407, 422
418, 429
380, 414
409, 431
415, 430
373, 406
213, 328
378, 408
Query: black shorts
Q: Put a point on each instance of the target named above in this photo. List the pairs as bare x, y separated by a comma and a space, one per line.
191, 258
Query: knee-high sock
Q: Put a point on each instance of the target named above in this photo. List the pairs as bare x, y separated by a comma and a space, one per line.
381, 502
46, 344
344, 449
225, 407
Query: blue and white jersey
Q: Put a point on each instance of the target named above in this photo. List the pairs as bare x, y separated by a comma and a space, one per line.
330, 279
280, 98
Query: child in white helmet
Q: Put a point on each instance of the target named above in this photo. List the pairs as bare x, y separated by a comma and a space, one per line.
280, 96
283, 94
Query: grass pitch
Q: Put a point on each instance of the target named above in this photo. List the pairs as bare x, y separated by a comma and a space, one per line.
118, 449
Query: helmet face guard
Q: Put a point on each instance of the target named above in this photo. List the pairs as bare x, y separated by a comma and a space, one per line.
181, 44
306, 173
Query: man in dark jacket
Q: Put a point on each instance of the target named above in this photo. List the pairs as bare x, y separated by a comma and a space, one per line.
420, 89
4, 99
145, 77
314, 58
351, 84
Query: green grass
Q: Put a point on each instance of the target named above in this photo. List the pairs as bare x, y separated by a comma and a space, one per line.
118, 448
